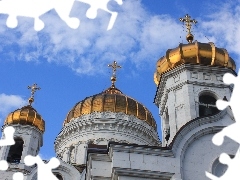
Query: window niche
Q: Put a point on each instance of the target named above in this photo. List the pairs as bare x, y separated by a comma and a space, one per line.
166, 126
59, 176
71, 154
15, 151
207, 105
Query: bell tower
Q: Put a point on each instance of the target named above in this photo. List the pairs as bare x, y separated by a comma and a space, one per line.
189, 82
29, 128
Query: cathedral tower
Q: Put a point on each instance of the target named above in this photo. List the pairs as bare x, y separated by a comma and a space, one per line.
189, 81
29, 128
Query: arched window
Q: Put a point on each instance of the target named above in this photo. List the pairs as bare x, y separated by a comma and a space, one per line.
167, 126
71, 154
59, 176
15, 151
207, 105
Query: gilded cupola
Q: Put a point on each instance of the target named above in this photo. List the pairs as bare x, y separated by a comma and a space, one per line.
113, 100
194, 52
27, 115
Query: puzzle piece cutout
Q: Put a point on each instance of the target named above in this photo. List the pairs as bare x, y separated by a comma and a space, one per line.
7, 141
233, 168
18, 176
101, 4
44, 170
36, 8
231, 131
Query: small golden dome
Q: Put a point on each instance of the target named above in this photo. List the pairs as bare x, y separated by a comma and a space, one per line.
112, 100
27, 115
195, 53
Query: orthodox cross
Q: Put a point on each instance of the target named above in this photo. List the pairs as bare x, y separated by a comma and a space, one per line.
114, 67
33, 88
188, 22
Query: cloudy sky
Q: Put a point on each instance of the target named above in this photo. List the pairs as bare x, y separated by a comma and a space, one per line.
70, 65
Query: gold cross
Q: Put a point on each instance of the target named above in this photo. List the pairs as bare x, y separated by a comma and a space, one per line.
33, 88
114, 67
188, 22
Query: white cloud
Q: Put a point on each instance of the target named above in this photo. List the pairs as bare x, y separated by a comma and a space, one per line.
9, 103
137, 37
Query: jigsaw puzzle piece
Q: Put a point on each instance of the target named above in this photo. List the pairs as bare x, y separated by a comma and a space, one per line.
230, 131
221, 104
18, 176
233, 167
63, 8
36, 8
44, 170
101, 4
3, 165
211, 176
9, 140
229, 79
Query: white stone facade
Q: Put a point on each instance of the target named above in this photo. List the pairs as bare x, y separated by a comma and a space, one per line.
100, 128
189, 156
178, 94
127, 148
32, 138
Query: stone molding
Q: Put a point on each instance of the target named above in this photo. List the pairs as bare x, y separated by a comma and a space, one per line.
99, 157
161, 90
181, 134
146, 150
104, 122
25, 130
140, 174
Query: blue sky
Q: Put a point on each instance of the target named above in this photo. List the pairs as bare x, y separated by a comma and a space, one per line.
70, 65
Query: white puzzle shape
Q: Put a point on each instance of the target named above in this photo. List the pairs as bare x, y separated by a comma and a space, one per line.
36, 8
8, 137
231, 131
7, 141
44, 170
101, 4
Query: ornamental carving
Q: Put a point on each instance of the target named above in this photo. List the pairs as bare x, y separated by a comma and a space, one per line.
132, 130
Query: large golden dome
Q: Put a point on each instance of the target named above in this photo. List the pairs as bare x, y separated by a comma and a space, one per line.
27, 115
195, 53
112, 100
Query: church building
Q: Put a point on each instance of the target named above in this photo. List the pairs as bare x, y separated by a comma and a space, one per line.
111, 136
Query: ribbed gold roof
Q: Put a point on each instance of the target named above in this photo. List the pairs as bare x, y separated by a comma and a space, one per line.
27, 115
112, 100
196, 53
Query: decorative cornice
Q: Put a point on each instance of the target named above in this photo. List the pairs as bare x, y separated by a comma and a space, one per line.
140, 149
103, 122
162, 104
99, 157
26, 130
192, 67
140, 174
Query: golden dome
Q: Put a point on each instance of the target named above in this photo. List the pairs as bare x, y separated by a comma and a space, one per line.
112, 100
195, 53
27, 115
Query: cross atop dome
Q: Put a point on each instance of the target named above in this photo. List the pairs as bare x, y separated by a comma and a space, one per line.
33, 89
114, 67
188, 22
